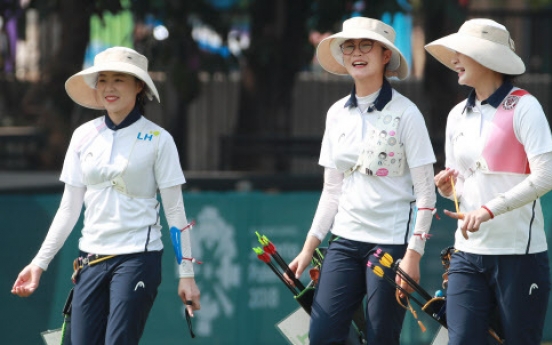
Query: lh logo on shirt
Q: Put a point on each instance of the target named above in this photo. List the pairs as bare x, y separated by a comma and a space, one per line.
147, 136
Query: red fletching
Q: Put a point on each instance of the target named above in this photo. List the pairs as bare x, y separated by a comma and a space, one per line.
270, 248
262, 255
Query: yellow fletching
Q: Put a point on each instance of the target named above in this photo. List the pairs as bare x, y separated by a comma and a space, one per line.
378, 271
386, 260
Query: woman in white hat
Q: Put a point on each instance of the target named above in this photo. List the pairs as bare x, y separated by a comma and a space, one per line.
378, 176
498, 164
114, 166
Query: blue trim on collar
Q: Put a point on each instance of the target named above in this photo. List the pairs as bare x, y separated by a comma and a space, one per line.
384, 97
495, 99
132, 117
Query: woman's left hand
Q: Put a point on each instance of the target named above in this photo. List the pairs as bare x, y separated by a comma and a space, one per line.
410, 264
189, 292
472, 220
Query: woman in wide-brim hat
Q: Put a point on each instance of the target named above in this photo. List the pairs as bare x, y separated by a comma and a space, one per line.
499, 154
377, 159
114, 166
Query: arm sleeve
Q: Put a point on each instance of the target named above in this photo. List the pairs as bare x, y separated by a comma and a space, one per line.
327, 206
64, 221
173, 205
532, 129
424, 189
538, 183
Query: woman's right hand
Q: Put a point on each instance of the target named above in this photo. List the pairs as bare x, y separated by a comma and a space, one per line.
303, 260
27, 281
443, 181
298, 266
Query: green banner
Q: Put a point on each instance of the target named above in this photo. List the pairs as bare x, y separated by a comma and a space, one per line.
241, 298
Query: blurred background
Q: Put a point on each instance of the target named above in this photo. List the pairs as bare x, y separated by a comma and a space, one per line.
245, 100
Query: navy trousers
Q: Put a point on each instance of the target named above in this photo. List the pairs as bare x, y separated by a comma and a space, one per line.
113, 298
518, 285
344, 282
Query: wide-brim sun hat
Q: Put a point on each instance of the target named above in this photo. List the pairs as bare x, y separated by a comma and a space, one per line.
485, 41
329, 53
81, 87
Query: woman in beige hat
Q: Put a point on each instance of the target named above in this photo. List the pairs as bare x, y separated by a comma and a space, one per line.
498, 165
114, 166
378, 176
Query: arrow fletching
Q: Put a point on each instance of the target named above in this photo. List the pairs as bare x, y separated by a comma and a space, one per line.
386, 260
378, 271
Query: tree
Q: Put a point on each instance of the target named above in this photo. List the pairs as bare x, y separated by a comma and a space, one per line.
46, 100
279, 49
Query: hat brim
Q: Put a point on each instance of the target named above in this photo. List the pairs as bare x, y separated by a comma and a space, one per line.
491, 55
326, 52
83, 94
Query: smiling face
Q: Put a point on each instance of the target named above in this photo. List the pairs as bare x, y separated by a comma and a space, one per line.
117, 93
363, 63
470, 72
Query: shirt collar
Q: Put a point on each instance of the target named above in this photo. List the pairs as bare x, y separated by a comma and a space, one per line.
381, 101
494, 100
132, 117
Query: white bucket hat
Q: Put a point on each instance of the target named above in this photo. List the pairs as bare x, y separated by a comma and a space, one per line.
81, 86
329, 52
485, 41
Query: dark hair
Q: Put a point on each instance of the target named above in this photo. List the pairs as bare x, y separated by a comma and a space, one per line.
384, 48
141, 97
141, 102
509, 78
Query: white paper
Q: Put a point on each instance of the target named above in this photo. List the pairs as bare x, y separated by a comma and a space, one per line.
52, 337
442, 337
295, 327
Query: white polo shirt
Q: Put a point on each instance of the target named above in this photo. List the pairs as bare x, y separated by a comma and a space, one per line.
371, 208
143, 157
518, 231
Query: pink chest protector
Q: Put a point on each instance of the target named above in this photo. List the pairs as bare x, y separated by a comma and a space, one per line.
503, 152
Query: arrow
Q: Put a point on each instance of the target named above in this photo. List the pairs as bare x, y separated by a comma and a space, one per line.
265, 257
270, 248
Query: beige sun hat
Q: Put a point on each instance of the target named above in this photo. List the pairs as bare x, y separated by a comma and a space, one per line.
329, 52
81, 86
485, 41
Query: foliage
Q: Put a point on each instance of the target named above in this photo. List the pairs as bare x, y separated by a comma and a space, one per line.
538, 4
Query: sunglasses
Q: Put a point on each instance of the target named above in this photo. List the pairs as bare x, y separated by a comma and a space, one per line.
365, 46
